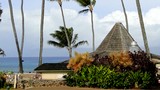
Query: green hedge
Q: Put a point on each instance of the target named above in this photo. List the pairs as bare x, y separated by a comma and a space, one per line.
104, 77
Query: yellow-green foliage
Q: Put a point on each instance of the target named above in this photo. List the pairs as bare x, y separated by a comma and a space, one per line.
120, 59
79, 60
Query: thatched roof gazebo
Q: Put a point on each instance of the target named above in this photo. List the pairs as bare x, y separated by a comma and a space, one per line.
118, 39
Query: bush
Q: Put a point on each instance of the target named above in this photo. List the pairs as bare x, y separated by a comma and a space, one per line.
91, 76
126, 61
75, 63
2, 80
104, 77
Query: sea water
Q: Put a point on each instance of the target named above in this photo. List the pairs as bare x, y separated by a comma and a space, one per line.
29, 63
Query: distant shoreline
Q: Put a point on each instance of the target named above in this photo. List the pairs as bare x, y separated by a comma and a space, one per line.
29, 64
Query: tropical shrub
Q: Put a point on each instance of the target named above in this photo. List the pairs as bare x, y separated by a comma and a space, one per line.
3, 83
136, 61
90, 76
142, 62
116, 70
120, 61
126, 61
104, 77
79, 60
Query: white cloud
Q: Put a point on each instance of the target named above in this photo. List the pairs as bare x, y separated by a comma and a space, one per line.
152, 16
81, 24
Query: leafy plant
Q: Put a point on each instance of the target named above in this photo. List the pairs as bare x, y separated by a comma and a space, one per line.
105, 77
120, 59
79, 60
91, 76
126, 61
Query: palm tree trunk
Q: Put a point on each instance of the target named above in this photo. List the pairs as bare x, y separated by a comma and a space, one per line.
143, 28
1, 11
41, 32
69, 43
16, 38
93, 37
125, 14
22, 42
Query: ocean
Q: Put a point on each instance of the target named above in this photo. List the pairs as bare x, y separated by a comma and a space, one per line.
29, 63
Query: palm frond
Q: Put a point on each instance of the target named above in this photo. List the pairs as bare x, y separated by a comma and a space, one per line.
93, 2
83, 3
61, 40
62, 28
54, 43
70, 33
2, 52
84, 11
80, 43
58, 36
74, 39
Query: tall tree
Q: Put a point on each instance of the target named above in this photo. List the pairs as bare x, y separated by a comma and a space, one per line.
90, 4
64, 23
143, 28
41, 32
125, 14
16, 38
61, 40
22, 41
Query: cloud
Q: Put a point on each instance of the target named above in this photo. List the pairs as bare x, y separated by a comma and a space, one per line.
81, 24
152, 16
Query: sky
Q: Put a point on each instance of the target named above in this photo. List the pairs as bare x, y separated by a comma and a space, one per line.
106, 14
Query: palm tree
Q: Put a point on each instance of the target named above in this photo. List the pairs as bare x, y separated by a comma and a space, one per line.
125, 14
69, 47
61, 40
90, 4
16, 38
143, 28
41, 32
22, 41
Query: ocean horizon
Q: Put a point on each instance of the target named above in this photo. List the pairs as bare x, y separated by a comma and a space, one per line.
29, 63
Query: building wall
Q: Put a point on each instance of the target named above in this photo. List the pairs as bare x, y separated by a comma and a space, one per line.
53, 76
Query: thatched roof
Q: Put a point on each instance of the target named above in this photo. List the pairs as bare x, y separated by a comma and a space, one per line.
118, 39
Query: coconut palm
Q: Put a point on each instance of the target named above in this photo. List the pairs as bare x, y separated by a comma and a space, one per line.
41, 32
143, 28
61, 40
125, 14
69, 47
90, 4
16, 38
22, 41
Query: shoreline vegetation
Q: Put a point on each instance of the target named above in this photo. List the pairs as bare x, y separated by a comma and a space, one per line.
118, 69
